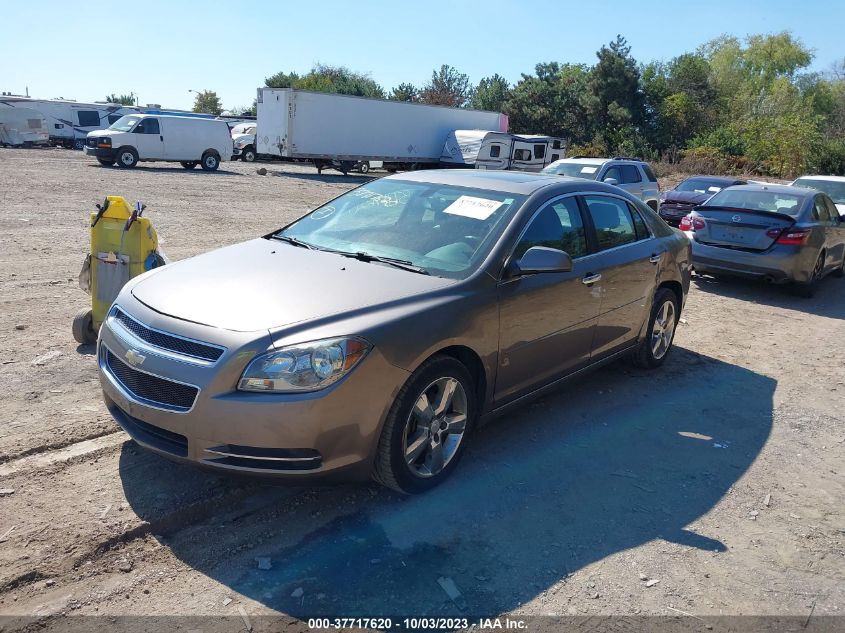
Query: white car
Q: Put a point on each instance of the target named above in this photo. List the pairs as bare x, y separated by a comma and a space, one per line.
243, 138
834, 186
188, 140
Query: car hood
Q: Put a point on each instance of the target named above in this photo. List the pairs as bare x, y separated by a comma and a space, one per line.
248, 137
685, 197
264, 284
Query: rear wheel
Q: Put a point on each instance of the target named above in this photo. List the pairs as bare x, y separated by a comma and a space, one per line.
426, 429
83, 327
808, 289
654, 348
210, 161
840, 272
127, 157
189, 164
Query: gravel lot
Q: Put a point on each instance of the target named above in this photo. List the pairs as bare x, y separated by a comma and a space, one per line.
713, 486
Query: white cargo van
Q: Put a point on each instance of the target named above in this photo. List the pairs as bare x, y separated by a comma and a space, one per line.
190, 141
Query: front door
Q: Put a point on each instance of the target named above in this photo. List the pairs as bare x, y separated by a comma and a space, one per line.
149, 141
547, 320
629, 262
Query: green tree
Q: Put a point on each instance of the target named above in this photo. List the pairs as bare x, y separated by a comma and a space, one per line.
447, 87
121, 99
333, 79
404, 92
208, 102
491, 93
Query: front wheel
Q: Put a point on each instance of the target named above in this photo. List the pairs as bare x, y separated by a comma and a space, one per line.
654, 348
127, 157
426, 429
210, 161
248, 155
365, 167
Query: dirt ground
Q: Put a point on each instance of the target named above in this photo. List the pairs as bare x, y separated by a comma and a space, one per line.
713, 486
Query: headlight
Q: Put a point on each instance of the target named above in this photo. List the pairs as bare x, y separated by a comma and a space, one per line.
104, 141
306, 367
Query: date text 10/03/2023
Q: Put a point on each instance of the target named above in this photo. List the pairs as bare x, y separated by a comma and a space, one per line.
421, 623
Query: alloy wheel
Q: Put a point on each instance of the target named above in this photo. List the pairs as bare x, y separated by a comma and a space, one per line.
663, 329
435, 427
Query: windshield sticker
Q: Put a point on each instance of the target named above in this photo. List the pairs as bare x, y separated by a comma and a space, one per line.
713, 189
589, 170
470, 207
392, 199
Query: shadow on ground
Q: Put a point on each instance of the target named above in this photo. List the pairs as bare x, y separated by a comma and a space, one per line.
610, 462
173, 168
828, 299
349, 179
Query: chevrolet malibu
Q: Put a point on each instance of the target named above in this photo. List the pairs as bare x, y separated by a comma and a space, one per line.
374, 334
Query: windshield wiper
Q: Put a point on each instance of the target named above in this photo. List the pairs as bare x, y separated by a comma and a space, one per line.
398, 263
293, 240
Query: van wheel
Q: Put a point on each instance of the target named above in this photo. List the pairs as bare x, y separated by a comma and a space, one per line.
83, 327
127, 157
248, 155
210, 161
189, 164
365, 167
661, 330
105, 163
427, 428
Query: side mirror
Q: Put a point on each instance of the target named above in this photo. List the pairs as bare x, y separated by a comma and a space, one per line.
611, 181
540, 259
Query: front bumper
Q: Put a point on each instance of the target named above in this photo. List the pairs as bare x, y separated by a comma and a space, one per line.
334, 431
101, 152
673, 215
780, 263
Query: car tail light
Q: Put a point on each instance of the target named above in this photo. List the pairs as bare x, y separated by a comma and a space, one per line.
794, 237
686, 223
697, 224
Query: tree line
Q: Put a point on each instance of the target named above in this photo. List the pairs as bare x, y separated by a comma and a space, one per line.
732, 105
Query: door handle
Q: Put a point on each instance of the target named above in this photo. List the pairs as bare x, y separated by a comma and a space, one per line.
591, 279
161, 138
655, 258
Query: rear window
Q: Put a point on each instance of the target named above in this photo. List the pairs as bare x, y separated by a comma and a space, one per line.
648, 172
833, 188
702, 185
757, 201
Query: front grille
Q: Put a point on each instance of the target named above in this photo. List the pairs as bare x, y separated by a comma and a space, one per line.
186, 347
152, 389
146, 433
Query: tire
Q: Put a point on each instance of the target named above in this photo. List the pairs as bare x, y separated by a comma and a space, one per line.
807, 290
79, 144
436, 451
127, 157
105, 163
189, 164
83, 327
652, 352
365, 167
210, 161
248, 154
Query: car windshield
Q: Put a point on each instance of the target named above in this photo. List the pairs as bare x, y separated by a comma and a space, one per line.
125, 123
835, 189
443, 229
701, 185
757, 201
576, 170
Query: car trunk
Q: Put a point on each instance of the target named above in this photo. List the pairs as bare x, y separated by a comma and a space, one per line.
740, 228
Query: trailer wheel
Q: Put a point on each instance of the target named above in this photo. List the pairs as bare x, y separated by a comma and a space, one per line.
127, 157
79, 144
83, 327
189, 164
210, 161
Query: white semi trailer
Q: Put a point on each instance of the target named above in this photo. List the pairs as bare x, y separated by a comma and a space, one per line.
343, 131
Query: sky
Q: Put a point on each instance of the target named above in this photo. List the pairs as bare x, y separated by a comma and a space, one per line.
161, 50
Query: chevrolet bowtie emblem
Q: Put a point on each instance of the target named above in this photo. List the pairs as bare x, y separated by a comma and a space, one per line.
134, 358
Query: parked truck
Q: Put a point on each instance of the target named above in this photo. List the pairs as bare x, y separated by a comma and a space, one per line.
485, 149
343, 131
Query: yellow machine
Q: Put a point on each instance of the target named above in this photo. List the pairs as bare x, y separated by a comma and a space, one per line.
123, 245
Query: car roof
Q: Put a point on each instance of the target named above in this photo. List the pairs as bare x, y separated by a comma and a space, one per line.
582, 161
786, 189
722, 179
831, 178
518, 182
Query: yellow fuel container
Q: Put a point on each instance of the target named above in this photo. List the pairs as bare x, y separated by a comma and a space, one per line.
120, 250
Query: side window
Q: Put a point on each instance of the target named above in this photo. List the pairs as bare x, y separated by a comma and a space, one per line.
555, 157
495, 151
832, 210
631, 174
556, 144
557, 225
612, 172
639, 224
820, 210
114, 117
612, 219
522, 154
88, 118
649, 173
539, 151
148, 126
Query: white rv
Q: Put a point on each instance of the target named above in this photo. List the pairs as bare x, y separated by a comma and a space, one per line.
69, 122
22, 127
190, 141
484, 149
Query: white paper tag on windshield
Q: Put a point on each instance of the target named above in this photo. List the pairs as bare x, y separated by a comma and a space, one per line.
470, 207
589, 170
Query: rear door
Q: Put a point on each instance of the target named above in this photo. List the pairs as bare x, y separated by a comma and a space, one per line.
632, 180
739, 228
522, 157
628, 260
149, 139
